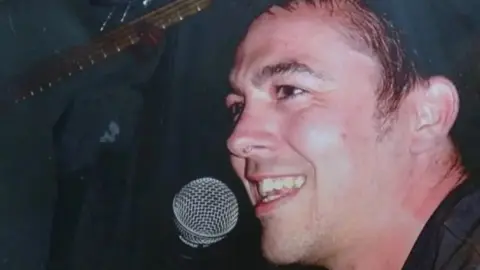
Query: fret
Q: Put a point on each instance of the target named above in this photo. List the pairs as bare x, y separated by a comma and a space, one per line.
165, 21
104, 51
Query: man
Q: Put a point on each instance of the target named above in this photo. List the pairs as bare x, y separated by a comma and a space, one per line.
344, 147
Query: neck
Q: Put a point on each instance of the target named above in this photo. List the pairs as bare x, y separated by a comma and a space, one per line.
434, 178
388, 248
390, 240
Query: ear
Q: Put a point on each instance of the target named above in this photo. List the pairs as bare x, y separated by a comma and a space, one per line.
436, 105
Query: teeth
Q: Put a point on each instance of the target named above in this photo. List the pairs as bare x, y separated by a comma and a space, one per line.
268, 186
278, 184
289, 183
271, 198
299, 182
265, 186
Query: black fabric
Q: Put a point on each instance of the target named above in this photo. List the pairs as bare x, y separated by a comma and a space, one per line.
450, 238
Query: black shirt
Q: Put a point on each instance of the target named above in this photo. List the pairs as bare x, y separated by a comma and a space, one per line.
451, 238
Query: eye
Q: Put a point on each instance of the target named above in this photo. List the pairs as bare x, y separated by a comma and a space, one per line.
287, 91
236, 109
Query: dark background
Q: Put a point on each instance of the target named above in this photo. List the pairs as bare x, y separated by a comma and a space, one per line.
69, 201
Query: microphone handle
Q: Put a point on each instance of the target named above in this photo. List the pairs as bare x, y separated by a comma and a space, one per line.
181, 261
182, 256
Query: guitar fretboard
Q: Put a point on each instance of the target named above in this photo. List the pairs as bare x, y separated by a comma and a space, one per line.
64, 65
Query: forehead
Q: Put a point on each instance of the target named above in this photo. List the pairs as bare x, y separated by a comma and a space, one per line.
308, 34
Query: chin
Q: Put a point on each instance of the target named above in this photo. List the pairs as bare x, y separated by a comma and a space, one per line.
281, 252
278, 258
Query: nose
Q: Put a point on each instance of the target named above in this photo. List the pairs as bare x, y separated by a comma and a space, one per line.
254, 135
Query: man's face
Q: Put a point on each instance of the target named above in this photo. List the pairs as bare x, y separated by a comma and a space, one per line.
306, 143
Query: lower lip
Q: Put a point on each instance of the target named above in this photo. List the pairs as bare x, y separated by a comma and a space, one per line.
265, 208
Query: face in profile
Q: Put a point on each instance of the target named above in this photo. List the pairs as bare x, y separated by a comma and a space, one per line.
307, 143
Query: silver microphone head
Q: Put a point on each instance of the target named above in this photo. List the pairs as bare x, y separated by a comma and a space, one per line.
205, 211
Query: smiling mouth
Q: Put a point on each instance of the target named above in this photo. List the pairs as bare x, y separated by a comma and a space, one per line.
275, 188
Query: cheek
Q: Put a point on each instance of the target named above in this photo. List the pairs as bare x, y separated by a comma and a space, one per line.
313, 134
238, 165
339, 152
333, 132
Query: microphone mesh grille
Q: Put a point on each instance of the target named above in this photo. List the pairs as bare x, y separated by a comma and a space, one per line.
205, 211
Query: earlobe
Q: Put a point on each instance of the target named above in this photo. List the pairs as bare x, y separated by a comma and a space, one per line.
436, 109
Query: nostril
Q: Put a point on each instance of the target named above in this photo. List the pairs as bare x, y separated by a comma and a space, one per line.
246, 150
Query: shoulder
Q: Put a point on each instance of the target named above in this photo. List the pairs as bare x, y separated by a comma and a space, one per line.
459, 245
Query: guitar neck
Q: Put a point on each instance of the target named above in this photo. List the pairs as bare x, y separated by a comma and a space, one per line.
65, 65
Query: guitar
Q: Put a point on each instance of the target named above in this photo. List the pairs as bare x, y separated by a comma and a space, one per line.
64, 65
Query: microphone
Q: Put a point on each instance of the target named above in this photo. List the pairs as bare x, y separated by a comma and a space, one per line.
205, 211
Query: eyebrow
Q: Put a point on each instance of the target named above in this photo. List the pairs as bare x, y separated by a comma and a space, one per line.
284, 67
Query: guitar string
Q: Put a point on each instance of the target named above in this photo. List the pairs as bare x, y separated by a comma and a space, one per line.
160, 10
170, 7
124, 34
